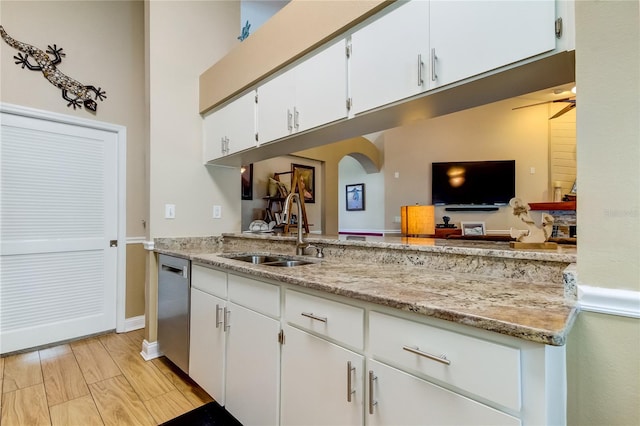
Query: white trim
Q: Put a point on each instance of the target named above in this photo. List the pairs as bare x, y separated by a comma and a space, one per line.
624, 303
134, 323
149, 245
135, 240
121, 133
150, 350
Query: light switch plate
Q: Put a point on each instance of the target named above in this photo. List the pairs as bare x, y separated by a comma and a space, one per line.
217, 212
169, 211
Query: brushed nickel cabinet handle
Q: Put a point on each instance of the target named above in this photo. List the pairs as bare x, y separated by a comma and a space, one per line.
218, 320
372, 401
420, 67
289, 118
314, 317
350, 391
227, 316
442, 358
434, 58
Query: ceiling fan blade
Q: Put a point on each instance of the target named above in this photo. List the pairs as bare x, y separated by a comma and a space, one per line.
563, 111
545, 102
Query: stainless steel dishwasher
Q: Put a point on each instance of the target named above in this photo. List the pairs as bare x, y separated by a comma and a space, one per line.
174, 287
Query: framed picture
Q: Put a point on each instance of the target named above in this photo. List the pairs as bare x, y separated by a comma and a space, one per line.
246, 173
308, 175
473, 228
355, 197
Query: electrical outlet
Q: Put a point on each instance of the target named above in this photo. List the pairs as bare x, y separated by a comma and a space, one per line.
217, 212
532, 170
396, 219
169, 211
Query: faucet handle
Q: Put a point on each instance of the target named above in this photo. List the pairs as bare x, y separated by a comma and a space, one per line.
319, 252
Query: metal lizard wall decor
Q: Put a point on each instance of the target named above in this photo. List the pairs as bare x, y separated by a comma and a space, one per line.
46, 64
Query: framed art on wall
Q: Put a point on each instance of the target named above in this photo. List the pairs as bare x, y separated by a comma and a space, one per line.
355, 197
308, 183
246, 173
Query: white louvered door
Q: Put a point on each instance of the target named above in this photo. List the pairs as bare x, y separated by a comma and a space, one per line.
58, 213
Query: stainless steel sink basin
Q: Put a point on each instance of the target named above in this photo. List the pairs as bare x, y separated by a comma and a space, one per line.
257, 259
280, 261
288, 263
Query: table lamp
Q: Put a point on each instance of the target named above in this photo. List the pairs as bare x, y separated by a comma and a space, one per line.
417, 220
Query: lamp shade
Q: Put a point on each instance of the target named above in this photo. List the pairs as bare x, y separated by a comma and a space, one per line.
417, 220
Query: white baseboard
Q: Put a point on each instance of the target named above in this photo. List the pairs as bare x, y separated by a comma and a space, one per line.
134, 323
150, 350
624, 303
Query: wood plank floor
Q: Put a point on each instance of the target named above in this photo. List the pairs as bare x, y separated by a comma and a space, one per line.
96, 381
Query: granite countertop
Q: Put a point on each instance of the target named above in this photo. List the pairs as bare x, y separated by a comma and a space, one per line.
534, 311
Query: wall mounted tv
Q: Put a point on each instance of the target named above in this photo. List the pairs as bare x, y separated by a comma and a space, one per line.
489, 183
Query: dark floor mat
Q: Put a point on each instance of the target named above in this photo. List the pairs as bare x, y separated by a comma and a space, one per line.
210, 414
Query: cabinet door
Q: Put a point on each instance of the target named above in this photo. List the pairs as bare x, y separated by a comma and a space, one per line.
214, 133
400, 398
207, 344
253, 367
231, 128
473, 36
389, 57
316, 379
321, 88
241, 116
276, 99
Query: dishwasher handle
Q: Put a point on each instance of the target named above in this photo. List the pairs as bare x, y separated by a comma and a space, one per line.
182, 272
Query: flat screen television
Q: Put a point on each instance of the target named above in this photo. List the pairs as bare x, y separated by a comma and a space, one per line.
473, 182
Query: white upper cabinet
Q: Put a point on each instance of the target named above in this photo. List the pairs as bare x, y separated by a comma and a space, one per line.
474, 36
276, 100
312, 93
231, 128
390, 57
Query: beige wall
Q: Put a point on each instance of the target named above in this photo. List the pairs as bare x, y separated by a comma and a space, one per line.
604, 350
103, 41
136, 259
489, 132
183, 39
331, 155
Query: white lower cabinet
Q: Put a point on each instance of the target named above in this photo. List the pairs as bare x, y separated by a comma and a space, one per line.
306, 359
234, 349
207, 334
398, 398
253, 367
322, 383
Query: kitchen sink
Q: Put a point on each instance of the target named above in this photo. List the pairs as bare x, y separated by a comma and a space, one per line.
288, 263
257, 259
280, 261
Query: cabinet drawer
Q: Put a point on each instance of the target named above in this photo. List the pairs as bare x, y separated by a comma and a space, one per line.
209, 280
256, 295
335, 320
489, 370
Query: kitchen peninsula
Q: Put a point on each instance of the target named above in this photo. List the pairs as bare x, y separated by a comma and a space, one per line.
475, 325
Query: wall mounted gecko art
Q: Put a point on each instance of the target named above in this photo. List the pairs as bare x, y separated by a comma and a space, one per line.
73, 91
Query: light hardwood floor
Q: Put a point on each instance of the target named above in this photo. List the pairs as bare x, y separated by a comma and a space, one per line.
96, 381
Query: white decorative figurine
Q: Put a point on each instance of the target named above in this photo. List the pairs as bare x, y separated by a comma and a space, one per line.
533, 234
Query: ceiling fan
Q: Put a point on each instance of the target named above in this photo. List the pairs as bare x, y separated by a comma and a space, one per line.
571, 105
